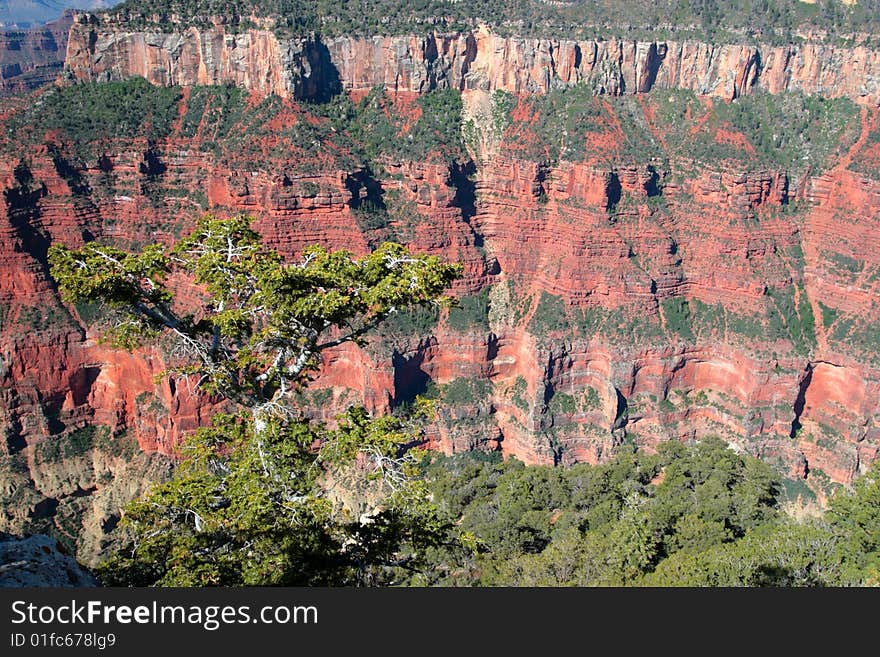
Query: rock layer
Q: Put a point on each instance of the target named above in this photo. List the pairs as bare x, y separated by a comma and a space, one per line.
720, 238
307, 67
30, 58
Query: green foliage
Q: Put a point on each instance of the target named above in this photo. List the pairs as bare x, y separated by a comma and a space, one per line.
564, 119
376, 128
785, 554
90, 113
57, 448
123, 445
503, 103
712, 519
796, 490
246, 508
708, 320
849, 267
791, 320
639, 143
591, 399
756, 131
855, 521
563, 403
463, 391
439, 126
772, 20
417, 321
370, 215
719, 485
829, 315
261, 327
519, 394
621, 323
471, 312
606, 524
678, 316
791, 130
40, 318
216, 110
549, 316
80, 124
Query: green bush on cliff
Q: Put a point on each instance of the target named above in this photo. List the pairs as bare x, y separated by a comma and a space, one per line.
87, 114
791, 319
562, 402
70, 445
463, 391
471, 312
377, 128
438, 129
519, 392
550, 315
678, 316
408, 323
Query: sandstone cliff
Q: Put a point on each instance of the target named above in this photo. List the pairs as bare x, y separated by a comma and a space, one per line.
582, 300
303, 68
32, 57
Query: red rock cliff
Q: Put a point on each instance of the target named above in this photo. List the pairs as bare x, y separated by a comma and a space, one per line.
264, 63
566, 376
32, 57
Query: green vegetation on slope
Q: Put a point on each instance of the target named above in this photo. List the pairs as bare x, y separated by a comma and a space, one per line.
790, 130
757, 131
83, 118
471, 313
91, 112
700, 515
754, 132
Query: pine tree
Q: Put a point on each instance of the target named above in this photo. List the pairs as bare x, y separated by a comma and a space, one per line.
249, 503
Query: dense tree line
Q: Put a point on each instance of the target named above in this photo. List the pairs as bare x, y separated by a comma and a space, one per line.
771, 20
696, 515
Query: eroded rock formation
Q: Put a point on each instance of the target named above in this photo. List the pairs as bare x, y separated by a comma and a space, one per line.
307, 67
606, 299
30, 58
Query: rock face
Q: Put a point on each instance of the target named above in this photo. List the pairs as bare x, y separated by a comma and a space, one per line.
305, 68
39, 561
30, 58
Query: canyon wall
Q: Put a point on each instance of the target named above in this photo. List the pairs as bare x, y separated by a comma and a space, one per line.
30, 58
608, 298
302, 68
578, 351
